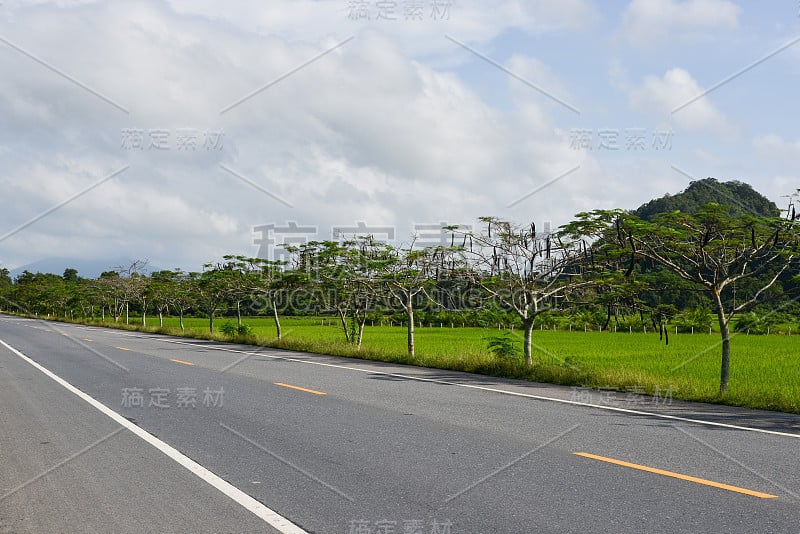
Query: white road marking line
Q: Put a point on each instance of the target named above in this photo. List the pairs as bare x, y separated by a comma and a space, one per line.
269, 516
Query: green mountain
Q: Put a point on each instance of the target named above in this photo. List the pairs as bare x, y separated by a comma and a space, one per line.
740, 197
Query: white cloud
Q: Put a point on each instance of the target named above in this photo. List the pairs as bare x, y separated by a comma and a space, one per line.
774, 147
787, 184
661, 96
778, 158
652, 21
618, 75
395, 127
552, 90
364, 134
468, 20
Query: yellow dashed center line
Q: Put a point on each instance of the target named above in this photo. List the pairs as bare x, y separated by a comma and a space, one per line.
87, 339
122, 348
678, 475
181, 361
299, 388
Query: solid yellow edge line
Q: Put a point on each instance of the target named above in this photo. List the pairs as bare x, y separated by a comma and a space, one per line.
299, 388
678, 475
181, 361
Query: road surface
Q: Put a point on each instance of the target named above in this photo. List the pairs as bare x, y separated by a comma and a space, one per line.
113, 431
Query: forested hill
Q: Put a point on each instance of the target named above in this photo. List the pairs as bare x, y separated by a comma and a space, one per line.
740, 197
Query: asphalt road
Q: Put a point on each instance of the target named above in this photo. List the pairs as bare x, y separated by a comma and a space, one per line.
258, 440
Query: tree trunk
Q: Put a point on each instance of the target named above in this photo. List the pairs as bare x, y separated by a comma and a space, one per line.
343, 319
277, 319
127, 313
238, 313
211, 322
410, 316
527, 324
354, 324
160, 319
726, 344
361, 324
181, 318
726, 358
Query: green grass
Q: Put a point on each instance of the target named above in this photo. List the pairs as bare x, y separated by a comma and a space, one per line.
765, 370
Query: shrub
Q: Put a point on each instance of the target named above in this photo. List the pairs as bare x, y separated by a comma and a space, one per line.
753, 323
229, 328
503, 345
699, 318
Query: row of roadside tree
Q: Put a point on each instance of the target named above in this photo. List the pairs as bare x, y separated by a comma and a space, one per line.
605, 262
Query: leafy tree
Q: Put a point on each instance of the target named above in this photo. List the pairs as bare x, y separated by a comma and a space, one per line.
406, 274
161, 292
315, 267
108, 289
272, 282
70, 275
40, 293
711, 249
241, 274
79, 297
338, 274
6, 288
666, 287
212, 290
176, 290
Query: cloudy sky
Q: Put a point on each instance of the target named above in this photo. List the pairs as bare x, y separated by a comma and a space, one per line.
170, 130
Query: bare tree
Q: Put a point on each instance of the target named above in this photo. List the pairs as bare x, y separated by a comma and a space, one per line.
525, 271
132, 284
